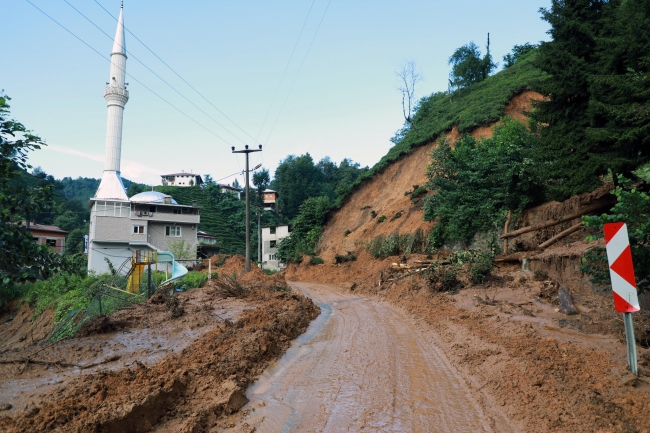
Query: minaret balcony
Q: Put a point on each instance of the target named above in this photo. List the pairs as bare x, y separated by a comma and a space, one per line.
116, 94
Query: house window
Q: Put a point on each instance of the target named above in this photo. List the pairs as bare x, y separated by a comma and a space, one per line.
51, 243
272, 230
152, 208
272, 244
177, 211
138, 230
271, 256
174, 231
187, 210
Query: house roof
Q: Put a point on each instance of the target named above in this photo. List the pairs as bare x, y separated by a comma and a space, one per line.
45, 228
182, 174
270, 190
226, 186
205, 235
151, 197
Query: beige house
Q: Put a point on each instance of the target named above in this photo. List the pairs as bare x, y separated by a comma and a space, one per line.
271, 237
270, 198
148, 221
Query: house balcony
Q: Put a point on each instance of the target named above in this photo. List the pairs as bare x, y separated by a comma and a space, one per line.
165, 217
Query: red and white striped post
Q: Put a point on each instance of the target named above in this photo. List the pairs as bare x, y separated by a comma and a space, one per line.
621, 272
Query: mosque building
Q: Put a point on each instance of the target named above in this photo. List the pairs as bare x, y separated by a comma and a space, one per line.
149, 221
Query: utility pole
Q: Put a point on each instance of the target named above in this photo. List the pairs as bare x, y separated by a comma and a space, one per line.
259, 238
248, 204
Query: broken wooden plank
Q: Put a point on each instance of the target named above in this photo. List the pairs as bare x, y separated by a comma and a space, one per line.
560, 235
578, 214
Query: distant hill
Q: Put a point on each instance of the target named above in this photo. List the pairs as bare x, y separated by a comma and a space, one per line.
83, 188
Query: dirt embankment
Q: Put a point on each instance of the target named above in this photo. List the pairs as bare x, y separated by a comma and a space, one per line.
226, 344
384, 194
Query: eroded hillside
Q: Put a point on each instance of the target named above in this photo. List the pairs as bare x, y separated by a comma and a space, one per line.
384, 194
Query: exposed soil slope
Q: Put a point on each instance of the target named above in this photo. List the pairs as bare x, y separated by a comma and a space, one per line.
384, 194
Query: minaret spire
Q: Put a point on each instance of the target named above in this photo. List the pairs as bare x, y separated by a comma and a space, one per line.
116, 95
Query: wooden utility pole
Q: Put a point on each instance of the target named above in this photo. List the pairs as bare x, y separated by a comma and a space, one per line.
248, 204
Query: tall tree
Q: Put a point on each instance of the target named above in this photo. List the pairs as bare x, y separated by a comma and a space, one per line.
467, 65
296, 179
20, 257
596, 116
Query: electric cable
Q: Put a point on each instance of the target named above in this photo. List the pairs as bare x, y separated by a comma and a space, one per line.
150, 70
178, 75
298, 73
285, 70
129, 75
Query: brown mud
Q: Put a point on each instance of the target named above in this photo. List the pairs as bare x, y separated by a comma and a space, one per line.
150, 371
544, 370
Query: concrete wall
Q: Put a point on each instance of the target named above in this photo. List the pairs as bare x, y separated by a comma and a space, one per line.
117, 253
113, 228
156, 236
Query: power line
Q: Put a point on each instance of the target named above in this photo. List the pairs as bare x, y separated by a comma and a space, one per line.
286, 68
131, 76
179, 76
298, 73
150, 70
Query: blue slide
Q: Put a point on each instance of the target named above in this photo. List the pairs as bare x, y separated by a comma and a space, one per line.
178, 270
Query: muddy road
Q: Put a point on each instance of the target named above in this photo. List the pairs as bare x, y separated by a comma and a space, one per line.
363, 365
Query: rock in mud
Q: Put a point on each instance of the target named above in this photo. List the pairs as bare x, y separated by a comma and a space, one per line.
566, 302
231, 397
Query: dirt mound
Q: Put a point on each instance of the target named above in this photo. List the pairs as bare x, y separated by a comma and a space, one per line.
185, 391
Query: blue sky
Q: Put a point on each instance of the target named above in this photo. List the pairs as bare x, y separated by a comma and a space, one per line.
344, 102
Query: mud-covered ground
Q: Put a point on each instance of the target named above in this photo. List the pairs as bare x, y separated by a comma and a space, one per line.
544, 370
143, 369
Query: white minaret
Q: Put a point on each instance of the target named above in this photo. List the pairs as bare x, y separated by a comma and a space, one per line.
116, 96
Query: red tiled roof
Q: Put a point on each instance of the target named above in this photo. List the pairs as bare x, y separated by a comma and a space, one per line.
34, 226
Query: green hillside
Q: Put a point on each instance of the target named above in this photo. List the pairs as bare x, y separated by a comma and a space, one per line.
477, 105
222, 215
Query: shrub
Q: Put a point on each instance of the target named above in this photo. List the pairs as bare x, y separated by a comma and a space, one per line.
540, 275
315, 260
192, 280
214, 275
418, 191
397, 215
381, 219
270, 271
346, 233
373, 214
443, 279
340, 258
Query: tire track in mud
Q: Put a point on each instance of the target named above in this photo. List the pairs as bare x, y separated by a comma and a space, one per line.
362, 366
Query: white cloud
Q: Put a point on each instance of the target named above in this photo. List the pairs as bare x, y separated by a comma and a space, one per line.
130, 169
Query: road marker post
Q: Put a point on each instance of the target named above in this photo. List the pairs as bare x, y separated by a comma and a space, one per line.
621, 272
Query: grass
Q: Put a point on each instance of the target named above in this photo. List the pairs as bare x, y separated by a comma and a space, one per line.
270, 271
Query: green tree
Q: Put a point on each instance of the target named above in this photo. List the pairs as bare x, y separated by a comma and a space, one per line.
261, 180
20, 258
296, 179
517, 53
467, 65
306, 231
134, 189
478, 182
597, 116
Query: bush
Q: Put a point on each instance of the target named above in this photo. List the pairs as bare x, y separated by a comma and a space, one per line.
315, 260
373, 214
478, 182
443, 279
270, 271
418, 191
381, 219
340, 258
192, 280
397, 215
346, 233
